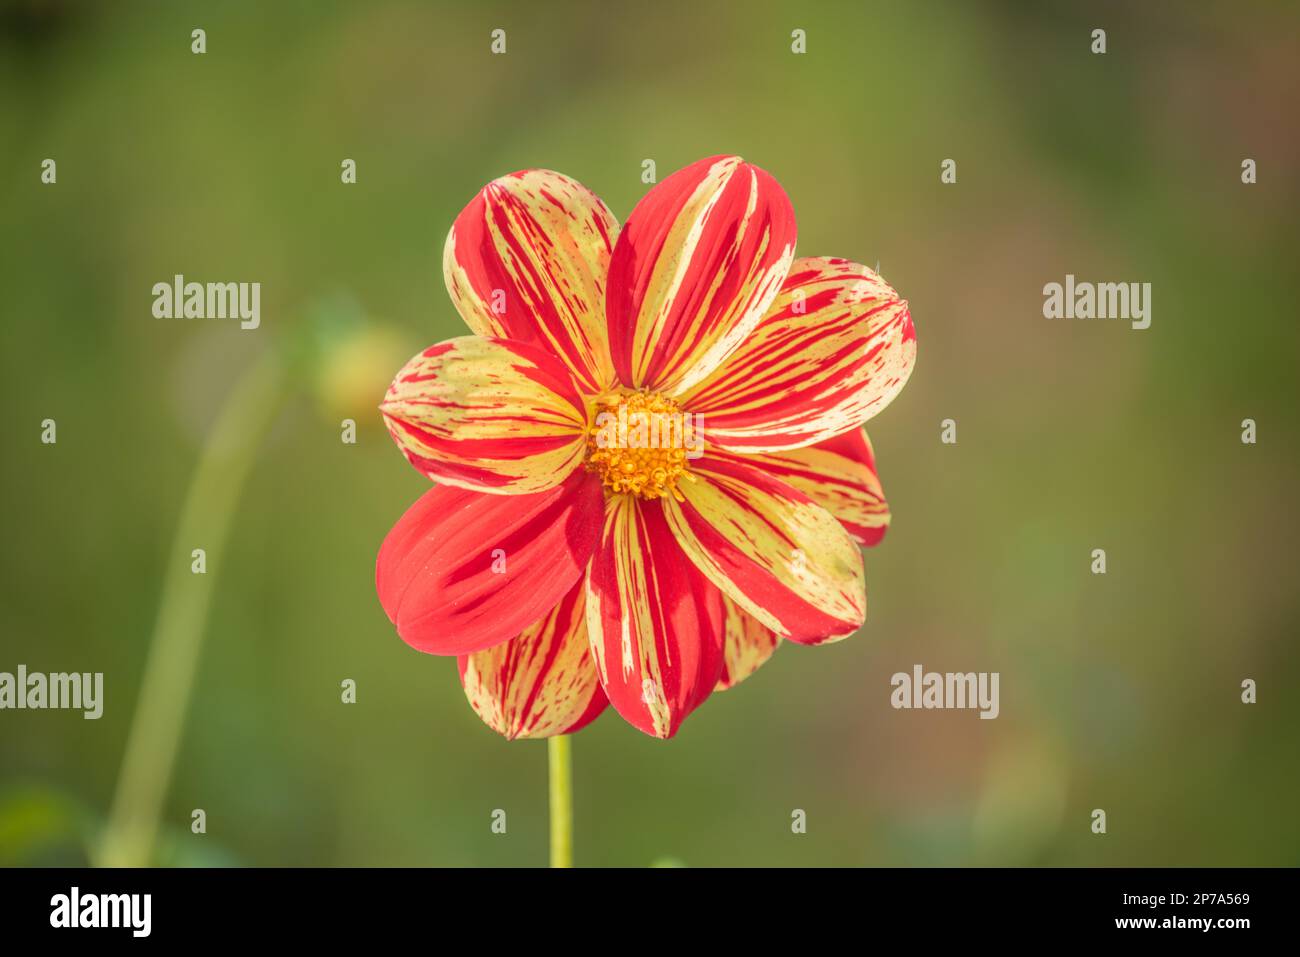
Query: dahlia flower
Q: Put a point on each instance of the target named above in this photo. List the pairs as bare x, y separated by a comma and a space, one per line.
568, 566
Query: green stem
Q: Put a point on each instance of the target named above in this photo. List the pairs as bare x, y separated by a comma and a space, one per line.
214, 491
560, 766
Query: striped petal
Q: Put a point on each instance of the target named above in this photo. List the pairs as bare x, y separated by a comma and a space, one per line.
747, 644
840, 476
654, 623
834, 349
527, 260
487, 414
771, 548
462, 571
694, 269
542, 683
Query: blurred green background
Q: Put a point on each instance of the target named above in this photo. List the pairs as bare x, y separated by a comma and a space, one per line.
1118, 692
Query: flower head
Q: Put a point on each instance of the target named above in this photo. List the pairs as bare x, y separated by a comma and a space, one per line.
649, 454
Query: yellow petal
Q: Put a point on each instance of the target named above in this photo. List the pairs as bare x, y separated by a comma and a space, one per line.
487, 414
769, 547
748, 643
836, 346
839, 475
542, 683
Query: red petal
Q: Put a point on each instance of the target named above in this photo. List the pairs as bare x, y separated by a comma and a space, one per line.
697, 264
527, 260
462, 570
656, 625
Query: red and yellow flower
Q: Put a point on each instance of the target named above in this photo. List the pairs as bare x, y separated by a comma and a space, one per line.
566, 575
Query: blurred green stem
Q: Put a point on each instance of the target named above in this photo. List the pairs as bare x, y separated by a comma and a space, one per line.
210, 502
560, 765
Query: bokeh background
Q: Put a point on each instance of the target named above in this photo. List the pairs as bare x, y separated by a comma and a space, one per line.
1119, 692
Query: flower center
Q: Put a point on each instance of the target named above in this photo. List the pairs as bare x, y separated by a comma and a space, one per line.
640, 442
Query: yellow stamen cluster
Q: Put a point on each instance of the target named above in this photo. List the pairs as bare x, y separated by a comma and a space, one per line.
635, 445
